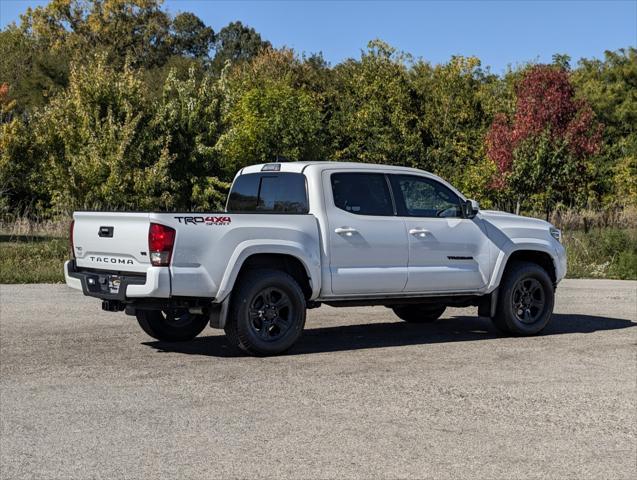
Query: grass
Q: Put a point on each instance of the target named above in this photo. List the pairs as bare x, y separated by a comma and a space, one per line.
602, 253
599, 253
32, 259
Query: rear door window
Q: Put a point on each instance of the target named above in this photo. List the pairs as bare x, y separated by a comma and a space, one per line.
283, 192
362, 193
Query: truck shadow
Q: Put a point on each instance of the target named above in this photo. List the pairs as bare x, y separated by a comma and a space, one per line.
393, 334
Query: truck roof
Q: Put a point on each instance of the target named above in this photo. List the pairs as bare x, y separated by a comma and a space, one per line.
317, 167
299, 167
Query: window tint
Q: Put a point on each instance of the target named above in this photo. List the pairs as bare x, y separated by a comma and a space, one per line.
424, 197
362, 193
269, 192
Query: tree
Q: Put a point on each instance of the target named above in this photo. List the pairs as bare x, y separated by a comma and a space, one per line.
610, 87
451, 116
35, 56
21, 188
544, 150
188, 118
270, 122
191, 37
99, 149
373, 117
147, 117
137, 29
33, 72
235, 43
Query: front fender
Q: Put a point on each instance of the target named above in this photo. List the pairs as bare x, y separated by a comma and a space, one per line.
309, 258
516, 245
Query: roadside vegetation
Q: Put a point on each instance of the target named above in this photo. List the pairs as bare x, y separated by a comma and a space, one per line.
32, 259
32, 252
117, 104
602, 253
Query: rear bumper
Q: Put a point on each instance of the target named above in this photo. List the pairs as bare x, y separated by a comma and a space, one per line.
155, 284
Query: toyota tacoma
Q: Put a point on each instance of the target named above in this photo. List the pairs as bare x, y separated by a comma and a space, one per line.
297, 235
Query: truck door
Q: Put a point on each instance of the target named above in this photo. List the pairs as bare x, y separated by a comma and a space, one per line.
367, 242
446, 251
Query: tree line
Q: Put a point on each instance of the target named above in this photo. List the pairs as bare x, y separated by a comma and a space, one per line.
117, 104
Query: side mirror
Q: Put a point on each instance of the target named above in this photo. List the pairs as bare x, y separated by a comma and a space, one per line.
470, 208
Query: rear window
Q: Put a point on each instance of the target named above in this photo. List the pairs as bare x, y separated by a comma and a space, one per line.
362, 193
269, 193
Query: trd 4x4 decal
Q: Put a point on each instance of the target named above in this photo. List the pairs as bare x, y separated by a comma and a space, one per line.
209, 220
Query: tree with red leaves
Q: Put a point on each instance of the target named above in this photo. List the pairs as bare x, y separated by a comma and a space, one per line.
542, 153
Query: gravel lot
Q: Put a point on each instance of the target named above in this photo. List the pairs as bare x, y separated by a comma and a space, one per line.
84, 394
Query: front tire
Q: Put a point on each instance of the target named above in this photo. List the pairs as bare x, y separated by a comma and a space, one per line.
267, 313
419, 313
525, 301
178, 326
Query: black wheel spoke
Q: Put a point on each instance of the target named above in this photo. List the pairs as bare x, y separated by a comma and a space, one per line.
281, 322
282, 302
267, 296
263, 331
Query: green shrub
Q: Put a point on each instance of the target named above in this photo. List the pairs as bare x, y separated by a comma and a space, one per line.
626, 266
602, 253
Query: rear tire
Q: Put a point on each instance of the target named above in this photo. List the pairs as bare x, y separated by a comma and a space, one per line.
178, 327
267, 313
419, 313
525, 300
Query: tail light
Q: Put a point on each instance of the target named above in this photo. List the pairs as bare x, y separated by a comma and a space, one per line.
161, 240
71, 246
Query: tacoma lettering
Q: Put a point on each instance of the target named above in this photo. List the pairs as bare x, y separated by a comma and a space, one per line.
123, 261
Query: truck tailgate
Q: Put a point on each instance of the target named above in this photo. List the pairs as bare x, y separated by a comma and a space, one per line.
111, 241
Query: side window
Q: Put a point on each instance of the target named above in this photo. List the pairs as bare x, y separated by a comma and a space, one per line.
424, 197
362, 193
269, 193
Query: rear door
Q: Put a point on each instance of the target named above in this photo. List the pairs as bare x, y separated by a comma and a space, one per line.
447, 253
111, 241
367, 242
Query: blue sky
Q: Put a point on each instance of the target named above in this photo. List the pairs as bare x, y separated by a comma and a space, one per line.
498, 32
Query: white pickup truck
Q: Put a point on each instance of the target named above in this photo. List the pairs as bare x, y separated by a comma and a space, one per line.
296, 235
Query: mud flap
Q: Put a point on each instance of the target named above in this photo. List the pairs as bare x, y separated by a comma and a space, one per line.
219, 313
488, 304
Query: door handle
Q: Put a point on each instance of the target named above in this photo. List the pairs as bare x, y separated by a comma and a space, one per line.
419, 232
347, 231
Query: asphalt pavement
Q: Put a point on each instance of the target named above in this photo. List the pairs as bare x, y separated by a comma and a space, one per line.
85, 394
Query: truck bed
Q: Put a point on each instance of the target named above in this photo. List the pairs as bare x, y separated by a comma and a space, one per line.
206, 249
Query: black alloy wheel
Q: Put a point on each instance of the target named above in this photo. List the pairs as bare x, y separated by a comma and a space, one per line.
271, 312
528, 300
267, 312
525, 299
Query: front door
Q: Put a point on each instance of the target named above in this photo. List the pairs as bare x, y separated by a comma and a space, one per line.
367, 242
447, 253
